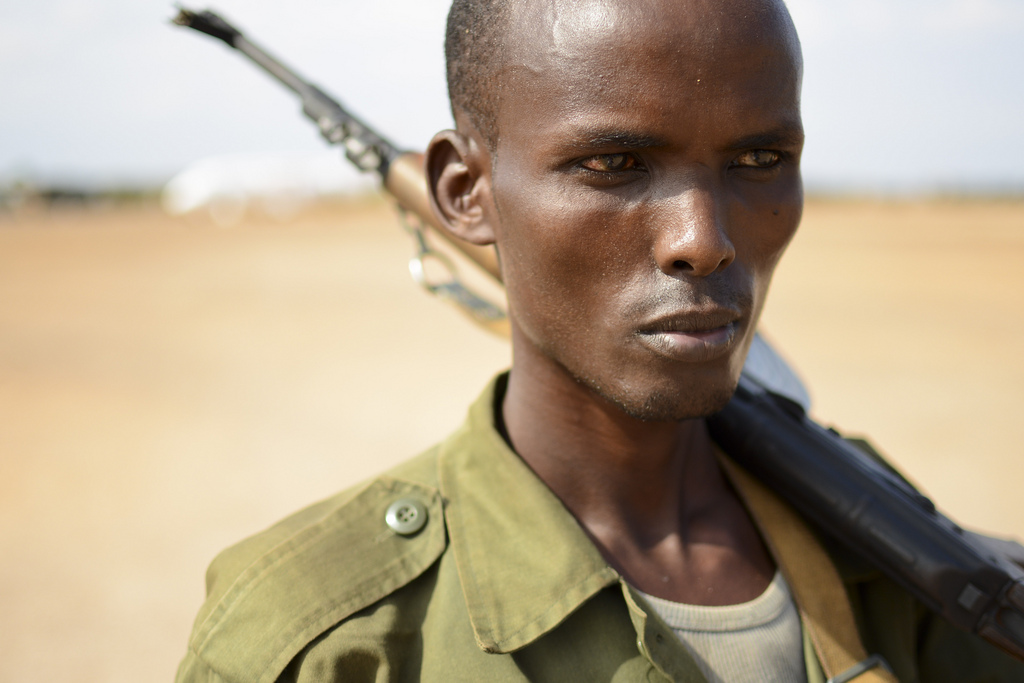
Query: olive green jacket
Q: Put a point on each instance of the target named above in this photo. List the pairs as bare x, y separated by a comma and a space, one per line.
501, 584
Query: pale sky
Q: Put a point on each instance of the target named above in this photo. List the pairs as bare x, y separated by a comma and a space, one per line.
898, 96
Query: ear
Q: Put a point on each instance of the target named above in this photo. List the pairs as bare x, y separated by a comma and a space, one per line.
459, 181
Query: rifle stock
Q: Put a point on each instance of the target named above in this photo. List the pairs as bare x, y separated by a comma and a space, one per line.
973, 582
857, 498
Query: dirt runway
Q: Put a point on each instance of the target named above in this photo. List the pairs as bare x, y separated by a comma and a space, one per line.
168, 387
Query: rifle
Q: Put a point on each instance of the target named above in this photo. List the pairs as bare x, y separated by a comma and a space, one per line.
971, 580
400, 171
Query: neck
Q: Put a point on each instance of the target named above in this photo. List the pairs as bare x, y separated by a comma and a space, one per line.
616, 473
649, 494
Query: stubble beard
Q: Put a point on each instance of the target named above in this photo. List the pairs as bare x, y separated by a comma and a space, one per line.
666, 406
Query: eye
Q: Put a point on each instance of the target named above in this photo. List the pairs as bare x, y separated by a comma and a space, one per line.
609, 163
758, 158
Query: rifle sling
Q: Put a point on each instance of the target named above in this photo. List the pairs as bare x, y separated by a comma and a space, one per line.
814, 581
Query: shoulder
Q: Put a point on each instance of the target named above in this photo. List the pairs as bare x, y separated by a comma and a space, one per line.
917, 643
272, 594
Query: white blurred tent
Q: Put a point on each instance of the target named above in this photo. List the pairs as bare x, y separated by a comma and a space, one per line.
278, 184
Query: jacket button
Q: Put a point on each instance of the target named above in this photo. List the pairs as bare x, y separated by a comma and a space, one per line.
406, 516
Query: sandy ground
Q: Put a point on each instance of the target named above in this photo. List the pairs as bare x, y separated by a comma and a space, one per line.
168, 387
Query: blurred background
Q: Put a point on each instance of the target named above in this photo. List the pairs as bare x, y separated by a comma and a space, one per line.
206, 320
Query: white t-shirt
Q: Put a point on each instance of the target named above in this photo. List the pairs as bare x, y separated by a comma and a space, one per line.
752, 642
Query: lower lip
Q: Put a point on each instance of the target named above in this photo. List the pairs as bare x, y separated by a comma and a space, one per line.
692, 346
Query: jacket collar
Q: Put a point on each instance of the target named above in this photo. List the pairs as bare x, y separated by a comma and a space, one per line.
523, 561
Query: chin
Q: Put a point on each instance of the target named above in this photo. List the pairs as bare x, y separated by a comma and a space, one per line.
671, 404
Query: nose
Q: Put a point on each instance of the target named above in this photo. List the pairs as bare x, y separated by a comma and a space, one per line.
692, 238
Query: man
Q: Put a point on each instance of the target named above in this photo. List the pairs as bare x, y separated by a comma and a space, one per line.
636, 164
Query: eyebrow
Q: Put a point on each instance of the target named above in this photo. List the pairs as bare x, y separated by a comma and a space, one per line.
588, 139
783, 135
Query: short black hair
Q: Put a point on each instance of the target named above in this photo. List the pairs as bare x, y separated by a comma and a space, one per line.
474, 49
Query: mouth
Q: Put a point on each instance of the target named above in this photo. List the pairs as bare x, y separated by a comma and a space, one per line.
693, 337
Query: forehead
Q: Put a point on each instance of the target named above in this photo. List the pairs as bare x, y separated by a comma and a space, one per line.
649, 60
566, 26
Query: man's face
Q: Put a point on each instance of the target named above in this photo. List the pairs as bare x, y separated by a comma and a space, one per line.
645, 183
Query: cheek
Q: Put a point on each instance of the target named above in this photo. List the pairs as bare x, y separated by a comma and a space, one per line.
556, 242
768, 222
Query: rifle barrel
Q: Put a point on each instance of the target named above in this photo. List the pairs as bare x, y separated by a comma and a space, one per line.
401, 172
364, 147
